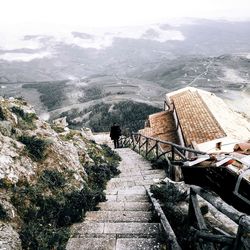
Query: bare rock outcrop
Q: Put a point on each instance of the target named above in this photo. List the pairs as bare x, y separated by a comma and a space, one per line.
30, 151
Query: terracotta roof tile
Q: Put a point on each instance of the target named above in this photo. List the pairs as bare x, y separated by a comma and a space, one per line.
197, 122
161, 126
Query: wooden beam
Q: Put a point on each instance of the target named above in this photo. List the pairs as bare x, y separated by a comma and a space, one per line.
199, 217
229, 211
171, 237
172, 144
222, 239
180, 154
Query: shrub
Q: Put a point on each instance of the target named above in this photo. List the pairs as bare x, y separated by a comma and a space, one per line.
25, 119
103, 155
53, 179
159, 164
3, 214
36, 235
18, 111
2, 114
35, 146
49, 207
5, 183
77, 203
47, 217
111, 154
99, 175
69, 136
58, 129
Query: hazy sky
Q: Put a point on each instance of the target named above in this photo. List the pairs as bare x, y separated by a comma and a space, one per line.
45, 14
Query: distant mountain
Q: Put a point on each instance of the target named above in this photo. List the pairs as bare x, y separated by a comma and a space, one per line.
74, 71
78, 54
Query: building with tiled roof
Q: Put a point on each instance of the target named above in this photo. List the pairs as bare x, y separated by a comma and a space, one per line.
205, 122
197, 122
161, 125
198, 119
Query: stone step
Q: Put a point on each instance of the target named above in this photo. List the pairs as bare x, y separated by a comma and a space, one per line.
126, 179
120, 184
155, 176
91, 244
123, 221
134, 190
145, 177
110, 243
156, 173
153, 172
124, 206
118, 216
133, 168
143, 172
120, 229
122, 197
138, 244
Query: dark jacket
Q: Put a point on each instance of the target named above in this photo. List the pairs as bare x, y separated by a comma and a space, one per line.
115, 132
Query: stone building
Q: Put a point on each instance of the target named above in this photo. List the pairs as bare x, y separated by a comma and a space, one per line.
198, 119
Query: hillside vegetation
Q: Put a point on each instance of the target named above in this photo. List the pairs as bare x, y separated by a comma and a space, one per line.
130, 115
48, 180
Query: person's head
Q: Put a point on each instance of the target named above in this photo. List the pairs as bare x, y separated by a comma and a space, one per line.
114, 124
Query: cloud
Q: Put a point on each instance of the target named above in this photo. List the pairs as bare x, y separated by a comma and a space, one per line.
24, 57
10, 41
96, 38
99, 38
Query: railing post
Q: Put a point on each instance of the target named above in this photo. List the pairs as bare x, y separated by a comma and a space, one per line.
157, 150
237, 242
139, 144
133, 141
146, 147
191, 214
172, 151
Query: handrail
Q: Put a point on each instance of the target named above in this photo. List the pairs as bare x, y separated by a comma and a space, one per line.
171, 238
174, 154
194, 212
171, 144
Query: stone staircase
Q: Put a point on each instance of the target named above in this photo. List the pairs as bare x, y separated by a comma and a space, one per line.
125, 221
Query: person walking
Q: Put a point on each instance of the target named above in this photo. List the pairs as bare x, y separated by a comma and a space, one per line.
115, 133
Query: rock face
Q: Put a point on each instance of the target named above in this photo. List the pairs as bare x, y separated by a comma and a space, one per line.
9, 238
28, 148
19, 120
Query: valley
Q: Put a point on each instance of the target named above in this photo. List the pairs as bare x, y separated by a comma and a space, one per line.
72, 73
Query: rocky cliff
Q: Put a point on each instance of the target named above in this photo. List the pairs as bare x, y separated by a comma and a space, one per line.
49, 177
